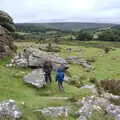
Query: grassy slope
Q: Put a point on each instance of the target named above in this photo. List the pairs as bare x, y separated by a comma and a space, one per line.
13, 87
106, 65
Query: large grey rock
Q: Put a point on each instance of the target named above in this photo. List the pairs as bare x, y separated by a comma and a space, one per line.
55, 111
114, 110
36, 78
6, 21
89, 104
80, 61
9, 109
33, 57
6, 38
6, 44
92, 88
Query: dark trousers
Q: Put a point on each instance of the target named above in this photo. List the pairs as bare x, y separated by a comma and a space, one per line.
60, 85
48, 77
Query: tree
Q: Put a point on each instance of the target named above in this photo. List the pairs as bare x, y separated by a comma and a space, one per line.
110, 35
84, 36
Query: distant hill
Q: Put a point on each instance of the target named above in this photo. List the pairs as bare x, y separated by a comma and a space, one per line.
64, 26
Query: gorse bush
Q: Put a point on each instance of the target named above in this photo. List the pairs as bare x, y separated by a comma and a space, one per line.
112, 86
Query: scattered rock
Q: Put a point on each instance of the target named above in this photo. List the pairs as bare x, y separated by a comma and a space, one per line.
55, 111
97, 103
36, 78
114, 110
77, 60
110, 96
9, 109
89, 104
92, 88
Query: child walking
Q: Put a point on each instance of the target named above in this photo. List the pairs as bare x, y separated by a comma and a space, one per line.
60, 78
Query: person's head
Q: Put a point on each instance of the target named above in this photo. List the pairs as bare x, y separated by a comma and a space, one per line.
59, 70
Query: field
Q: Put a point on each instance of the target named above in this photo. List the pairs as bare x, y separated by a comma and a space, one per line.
106, 66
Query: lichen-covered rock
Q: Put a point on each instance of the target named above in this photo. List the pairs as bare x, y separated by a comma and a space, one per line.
98, 104
36, 78
33, 57
55, 111
8, 109
114, 110
92, 88
77, 60
6, 27
6, 21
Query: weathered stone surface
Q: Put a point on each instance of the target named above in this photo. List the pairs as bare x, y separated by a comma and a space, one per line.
9, 109
92, 88
114, 110
110, 96
96, 103
80, 61
66, 78
35, 78
33, 57
55, 111
6, 27
6, 21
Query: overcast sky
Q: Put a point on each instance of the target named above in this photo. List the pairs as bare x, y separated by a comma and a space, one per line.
107, 11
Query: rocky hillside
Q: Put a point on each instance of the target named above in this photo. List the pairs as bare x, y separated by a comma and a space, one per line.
6, 29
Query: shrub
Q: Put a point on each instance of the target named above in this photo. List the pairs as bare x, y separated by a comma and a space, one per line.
112, 86
92, 59
73, 99
77, 82
93, 80
107, 50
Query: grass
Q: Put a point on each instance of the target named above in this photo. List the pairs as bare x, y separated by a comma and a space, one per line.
101, 116
13, 87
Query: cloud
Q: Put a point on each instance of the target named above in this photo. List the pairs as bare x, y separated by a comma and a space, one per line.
62, 10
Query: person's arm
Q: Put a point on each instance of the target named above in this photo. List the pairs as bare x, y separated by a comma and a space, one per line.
56, 78
63, 76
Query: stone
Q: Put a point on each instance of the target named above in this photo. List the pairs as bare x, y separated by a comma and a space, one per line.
66, 78
110, 96
92, 88
7, 48
90, 104
6, 21
114, 110
33, 57
9, 109
77, 60
55, 111
35, 78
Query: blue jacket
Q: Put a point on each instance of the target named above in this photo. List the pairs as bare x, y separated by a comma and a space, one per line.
59, 75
